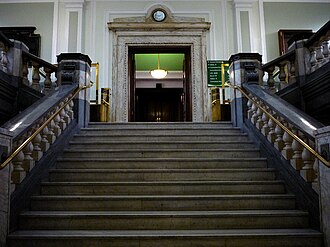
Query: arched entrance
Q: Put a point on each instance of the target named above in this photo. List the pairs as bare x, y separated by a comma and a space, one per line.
146, 33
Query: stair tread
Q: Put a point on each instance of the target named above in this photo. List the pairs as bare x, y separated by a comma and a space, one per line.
163, 170
102, 150
164, 233
235, 213
171, 182
158, 142
155, 197
162, 159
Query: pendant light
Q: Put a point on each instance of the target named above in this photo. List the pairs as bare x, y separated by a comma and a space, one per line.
158, 73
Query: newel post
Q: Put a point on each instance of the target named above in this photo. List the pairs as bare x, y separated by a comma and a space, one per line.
74, 68
322, 138
5, 181
244, 68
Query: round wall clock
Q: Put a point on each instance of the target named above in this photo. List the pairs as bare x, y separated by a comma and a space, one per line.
159, 15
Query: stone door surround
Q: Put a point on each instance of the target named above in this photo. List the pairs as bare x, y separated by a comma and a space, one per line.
173, 31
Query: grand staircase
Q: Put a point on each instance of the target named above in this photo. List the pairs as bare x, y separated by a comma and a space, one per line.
163, 184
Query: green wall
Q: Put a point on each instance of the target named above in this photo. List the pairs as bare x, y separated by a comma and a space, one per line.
39, 15
292, 16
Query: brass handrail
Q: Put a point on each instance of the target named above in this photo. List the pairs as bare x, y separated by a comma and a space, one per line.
28, 140
294, 136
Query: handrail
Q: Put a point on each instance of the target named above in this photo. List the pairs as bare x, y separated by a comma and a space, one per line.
294, 136
317, 36
28, 140
279, 59
40, 61
5, 40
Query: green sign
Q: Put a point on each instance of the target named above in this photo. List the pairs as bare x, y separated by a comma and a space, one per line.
217, 72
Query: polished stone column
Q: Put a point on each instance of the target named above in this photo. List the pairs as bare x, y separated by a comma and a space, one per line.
74, 68
5, 148
323, 145
244, 68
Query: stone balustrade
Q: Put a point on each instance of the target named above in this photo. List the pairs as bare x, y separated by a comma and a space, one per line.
281, 71
318, 53
303, 58
38, 73
276, 128
57, 120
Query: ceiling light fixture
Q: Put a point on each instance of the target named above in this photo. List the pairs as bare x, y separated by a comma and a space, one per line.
158, 73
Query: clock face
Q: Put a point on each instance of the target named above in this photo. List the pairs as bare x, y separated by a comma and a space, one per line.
159, 15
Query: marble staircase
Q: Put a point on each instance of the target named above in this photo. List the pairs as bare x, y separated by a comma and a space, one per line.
163, 184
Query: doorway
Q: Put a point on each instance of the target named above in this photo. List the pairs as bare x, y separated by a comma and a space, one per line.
160, 100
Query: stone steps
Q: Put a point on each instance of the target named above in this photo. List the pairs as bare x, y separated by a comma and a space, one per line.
162, 153
163, 188
61, 175
165, 137
162, 202
163, 184
175, 238
161, 163
93, 144
162, 220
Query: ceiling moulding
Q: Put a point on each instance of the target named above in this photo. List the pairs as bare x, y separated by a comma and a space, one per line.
244, 3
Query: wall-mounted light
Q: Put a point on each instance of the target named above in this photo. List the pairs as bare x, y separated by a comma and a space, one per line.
158, 73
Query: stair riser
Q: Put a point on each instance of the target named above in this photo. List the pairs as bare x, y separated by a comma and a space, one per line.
157, 132
162, 138
162, 204
150, 125
132, 145
162, 164
161, 176
162, 189
208, 241
161, 222
161, 154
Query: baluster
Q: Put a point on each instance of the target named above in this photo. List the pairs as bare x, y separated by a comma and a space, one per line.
254, 109
67, 117
51, 135
37, 152
259, 122
18, 173
62, 118
25, 72
319, 56
313, 60
28, 162
279, 143
44, 140
325, 46
249, 107
71, 112
4, 60
48, 81
57, 127
307, 171
271, 134
287, 151
270, 81
36, 77
297, 148
265, 127
282, 75
292, 77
